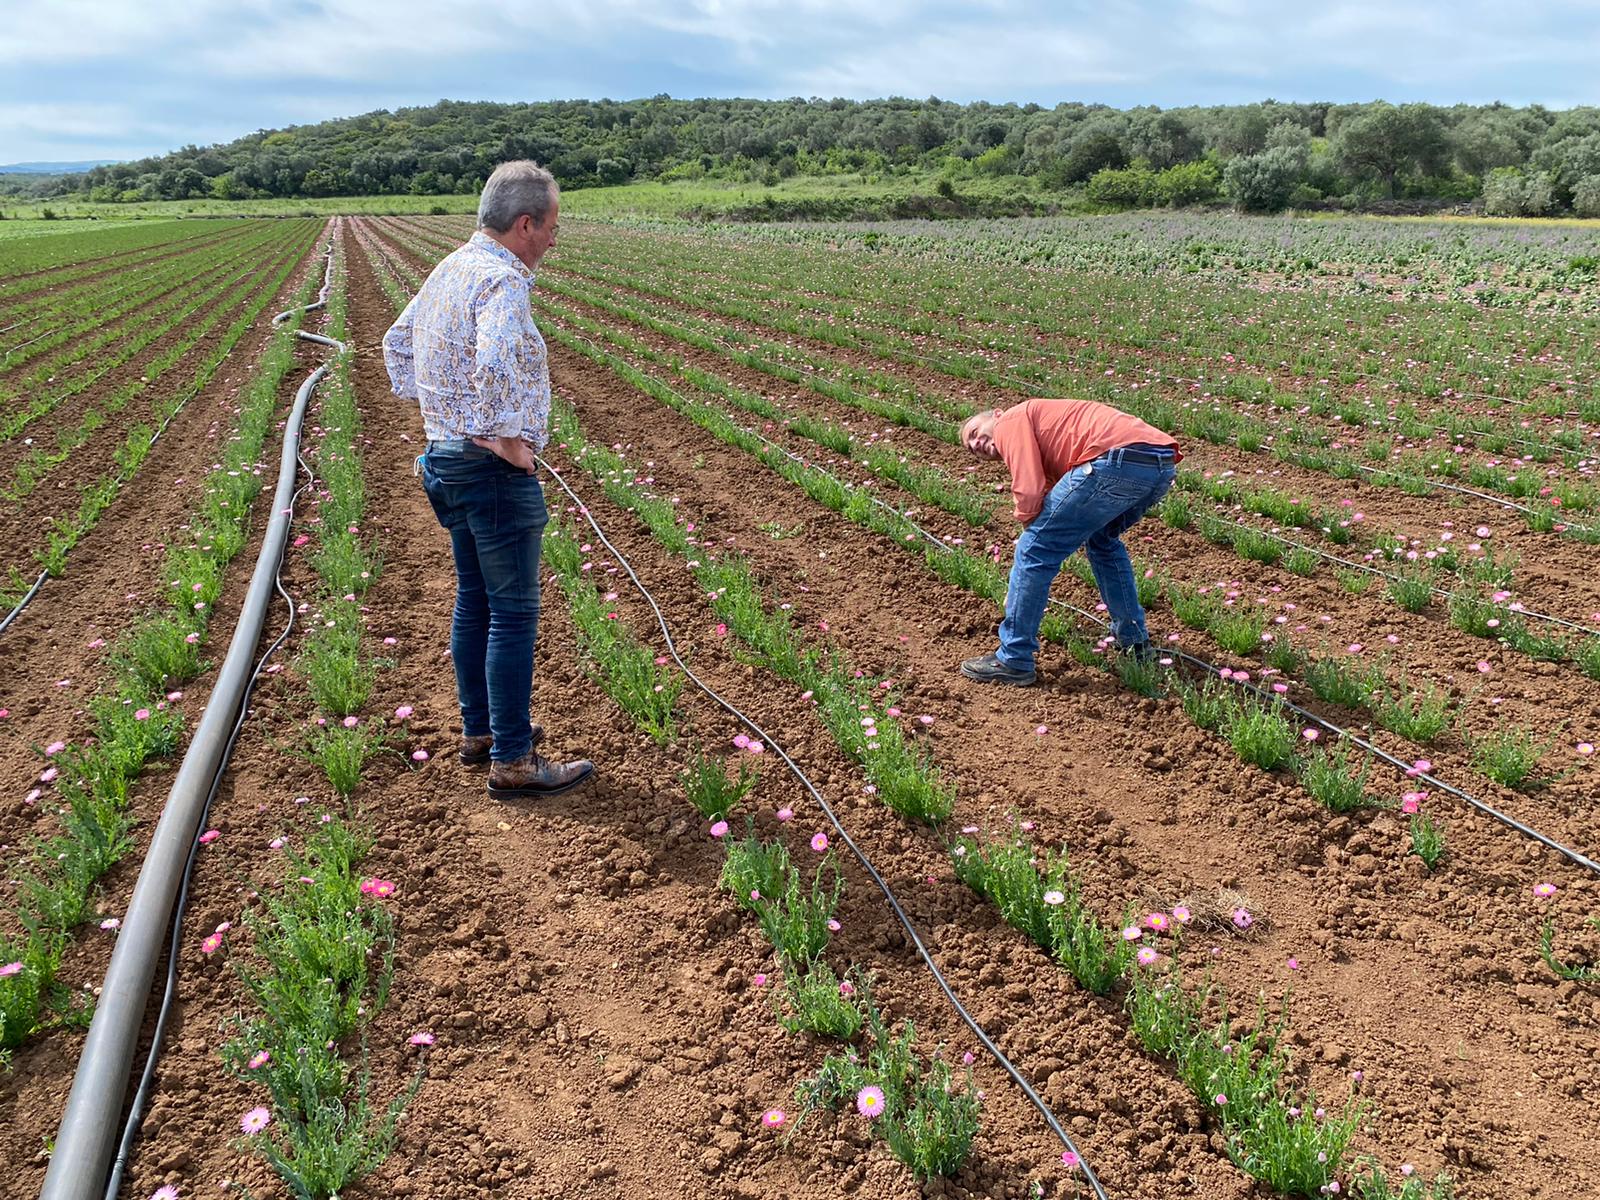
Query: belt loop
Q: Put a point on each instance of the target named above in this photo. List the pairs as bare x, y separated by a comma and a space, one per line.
416, 466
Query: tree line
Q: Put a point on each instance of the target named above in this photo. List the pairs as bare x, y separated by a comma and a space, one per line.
1260, 157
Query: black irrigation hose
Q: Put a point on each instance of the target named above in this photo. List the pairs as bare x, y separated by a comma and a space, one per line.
866, 863
1199, 663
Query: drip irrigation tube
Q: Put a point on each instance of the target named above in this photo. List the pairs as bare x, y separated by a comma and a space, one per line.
861, 855
88, 1135
1194, 661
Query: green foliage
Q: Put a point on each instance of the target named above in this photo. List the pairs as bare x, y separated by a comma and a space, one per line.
1509, 757
1572, 972
710, 789
1427, 839
1334, 782
819, 1002
927, 1121
343, 751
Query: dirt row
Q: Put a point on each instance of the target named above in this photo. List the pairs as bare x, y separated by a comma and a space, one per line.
25, 524
1181, 818
590, 990
52, 663
1505, 689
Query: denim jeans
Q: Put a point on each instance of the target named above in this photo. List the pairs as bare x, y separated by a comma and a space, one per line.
1091, 506
495, 514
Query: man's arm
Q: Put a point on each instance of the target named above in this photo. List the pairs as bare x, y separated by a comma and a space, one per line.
1019, 447
398, 355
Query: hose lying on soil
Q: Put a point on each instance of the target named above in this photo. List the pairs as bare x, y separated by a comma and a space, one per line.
87, 1138
827, 809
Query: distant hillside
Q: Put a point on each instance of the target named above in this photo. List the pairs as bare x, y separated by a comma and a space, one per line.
53, 168
1261, 157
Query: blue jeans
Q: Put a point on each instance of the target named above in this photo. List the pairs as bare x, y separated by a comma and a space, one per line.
1091, 506
496, 515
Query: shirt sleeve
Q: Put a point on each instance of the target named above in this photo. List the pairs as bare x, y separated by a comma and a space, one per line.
398, 355
1014, 438
498, 372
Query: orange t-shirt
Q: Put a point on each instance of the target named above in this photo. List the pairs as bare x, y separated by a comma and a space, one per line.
1042, 440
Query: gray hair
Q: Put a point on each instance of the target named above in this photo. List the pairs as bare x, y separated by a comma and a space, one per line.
515, 188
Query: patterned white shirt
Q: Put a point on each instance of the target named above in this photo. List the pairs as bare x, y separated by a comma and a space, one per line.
467, 350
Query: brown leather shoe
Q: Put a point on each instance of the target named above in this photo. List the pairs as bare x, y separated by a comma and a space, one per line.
533, 776
475, 750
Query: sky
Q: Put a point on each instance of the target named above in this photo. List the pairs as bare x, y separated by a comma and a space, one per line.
114, 79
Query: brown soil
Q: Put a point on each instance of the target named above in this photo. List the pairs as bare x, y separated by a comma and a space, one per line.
590, 987
24, 524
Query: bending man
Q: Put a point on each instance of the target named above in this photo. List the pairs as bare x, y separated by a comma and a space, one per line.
467, 350
1082, 474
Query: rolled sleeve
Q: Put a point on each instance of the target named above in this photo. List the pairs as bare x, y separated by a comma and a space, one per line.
399, 357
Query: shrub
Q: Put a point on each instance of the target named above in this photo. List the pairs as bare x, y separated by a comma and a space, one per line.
1127, 187
1263, 182
1188, 183
1586, 198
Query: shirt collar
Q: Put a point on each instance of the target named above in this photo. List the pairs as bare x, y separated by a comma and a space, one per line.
486, 243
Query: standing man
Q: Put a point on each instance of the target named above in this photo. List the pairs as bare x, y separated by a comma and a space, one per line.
466, 349
1082, 474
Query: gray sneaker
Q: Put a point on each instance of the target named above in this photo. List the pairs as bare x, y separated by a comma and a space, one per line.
988, 668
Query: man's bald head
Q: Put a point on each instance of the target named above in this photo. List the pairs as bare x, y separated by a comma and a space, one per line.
977, 435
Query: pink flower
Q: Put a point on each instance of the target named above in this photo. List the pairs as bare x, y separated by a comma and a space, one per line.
760, 980
741, 740
404, 711
819, 842
846, 988
1181, 914
1294, 964
419, 756
111, 923
10, 968
1156, 921
49, 775
210, 836
142, 714
1054, 898
1412, 801
421, 1038
1219, 1100
785, 814
165, 1192
211, 945
869, 1102
1584, 748
255, 1120
1041, 730
1147, 955
380, 888
718, 828
774, 1118
174, 696
1069, 1160
1543, 890
1242, 918
351, 722
925, 719
1132, 933
54, 748
755, 747
260, 1059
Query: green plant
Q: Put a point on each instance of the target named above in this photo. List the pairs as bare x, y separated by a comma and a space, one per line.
1261, 734
1373, 1184
795, 918
158, 652
343, 751
1342, 680
1329, 777
1141, 674
1300, 561
1419, 715
755, 870
1427, 839
1575, 973
928, 1123
1177, 510
1210, 704
1509, 757
710, 789
1238, 630
818, 1001
341, 680
1353, 581
1411, 590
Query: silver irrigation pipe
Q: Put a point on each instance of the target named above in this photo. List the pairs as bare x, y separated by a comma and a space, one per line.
1199, 663
89, 1128
861, 855
154, 438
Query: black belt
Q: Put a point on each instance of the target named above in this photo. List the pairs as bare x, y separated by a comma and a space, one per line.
1155, 456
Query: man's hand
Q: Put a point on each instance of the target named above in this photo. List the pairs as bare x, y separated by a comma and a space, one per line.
514, 450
